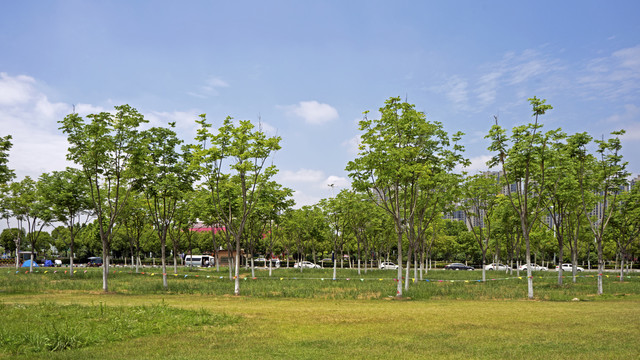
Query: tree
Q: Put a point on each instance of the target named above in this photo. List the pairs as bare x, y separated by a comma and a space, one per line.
524, 165
29, 206
274, 199
603, 175
400, 151
164, 181
6, 174
626, 223
479, 201
134, 222
8, 238
564, 201
108, 151
67, 192
247, 150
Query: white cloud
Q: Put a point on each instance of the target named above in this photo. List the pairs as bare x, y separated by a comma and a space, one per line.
312, 112
301, 198
32, 120
337, 182
302, 175
86, 109
15, 90
478, 164
185, 121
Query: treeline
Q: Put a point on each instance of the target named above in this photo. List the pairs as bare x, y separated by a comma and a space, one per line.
139, 193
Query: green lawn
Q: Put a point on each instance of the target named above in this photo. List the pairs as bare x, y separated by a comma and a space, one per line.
198, 319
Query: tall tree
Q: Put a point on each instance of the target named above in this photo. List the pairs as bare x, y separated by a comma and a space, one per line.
563, 199
603, 175
108, 150
523, 158
29, 205
165, 181
626, 223
68, 194
247, 151
479, 202
6, 174
398, 152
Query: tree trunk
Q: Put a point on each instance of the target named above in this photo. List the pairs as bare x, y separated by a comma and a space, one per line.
163, 245
406, 277
236, 290
600, 267
399, 289
529, 277
561, 256
105, 265
71, 258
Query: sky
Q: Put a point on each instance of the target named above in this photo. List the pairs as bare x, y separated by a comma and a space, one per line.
309, 69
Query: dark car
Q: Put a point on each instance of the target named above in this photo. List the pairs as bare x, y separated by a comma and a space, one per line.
458, 266
94, 261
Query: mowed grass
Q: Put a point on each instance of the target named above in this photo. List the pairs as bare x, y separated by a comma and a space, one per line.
199, 319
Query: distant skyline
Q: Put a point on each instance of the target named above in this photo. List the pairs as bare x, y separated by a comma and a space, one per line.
308, 70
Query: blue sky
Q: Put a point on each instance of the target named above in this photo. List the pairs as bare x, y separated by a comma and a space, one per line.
309, 70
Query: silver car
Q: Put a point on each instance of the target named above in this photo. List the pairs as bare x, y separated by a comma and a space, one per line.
306, 265
534, 267
497, 266
387, 265
569, 267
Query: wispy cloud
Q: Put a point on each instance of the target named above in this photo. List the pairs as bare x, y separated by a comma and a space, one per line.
210, 88
629, 120
616, 76
313, 112
353, 145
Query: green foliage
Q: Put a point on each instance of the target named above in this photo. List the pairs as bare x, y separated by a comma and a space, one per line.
404, 164
6, 174
109, 151
235, 188
8, 238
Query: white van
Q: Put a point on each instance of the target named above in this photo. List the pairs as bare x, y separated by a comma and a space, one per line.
199, 260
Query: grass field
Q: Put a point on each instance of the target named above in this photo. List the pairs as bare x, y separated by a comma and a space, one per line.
293, 315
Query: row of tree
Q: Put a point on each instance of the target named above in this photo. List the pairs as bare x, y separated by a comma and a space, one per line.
131, 181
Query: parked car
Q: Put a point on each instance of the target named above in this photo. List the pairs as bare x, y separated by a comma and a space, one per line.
94, 261
534, 267
458, 266
306, 265
569, 267
498, 266
262, 262
388, 265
